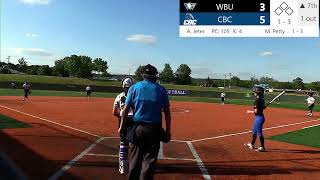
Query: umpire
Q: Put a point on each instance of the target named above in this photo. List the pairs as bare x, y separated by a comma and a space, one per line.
148, 100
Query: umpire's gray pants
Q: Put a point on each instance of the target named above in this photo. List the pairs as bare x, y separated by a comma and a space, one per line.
144, 154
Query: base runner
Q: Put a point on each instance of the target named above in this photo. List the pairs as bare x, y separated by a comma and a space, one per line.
259, 106
118, 106
311, 102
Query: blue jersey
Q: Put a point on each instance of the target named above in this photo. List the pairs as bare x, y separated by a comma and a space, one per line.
147, 99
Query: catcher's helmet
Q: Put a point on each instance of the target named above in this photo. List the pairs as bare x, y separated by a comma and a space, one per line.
258, 89
127, 82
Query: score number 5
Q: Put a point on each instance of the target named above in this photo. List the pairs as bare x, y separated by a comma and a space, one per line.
262, 19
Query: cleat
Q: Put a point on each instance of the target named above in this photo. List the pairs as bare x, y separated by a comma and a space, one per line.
261, 149
249, 145
123, 167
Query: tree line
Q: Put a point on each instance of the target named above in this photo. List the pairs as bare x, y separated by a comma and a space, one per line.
71, 66
296, 83
182, 76
84, 67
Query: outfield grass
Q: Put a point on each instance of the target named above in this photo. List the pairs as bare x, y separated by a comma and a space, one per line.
247, 102
10, 123
54, 80
18, 78
307, 137
18, 92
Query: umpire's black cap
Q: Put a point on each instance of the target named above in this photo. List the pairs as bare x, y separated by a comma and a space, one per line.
150, 70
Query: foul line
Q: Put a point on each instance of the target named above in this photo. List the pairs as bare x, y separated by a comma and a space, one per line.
46, 120
116, 137
311, 126
200, 164
116, 156
102, 155
247, 132
74, 160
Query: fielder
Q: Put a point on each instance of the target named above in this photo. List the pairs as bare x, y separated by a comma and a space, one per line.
311, 102
27, 90
118, 106
88, 91
259, 106
223, 97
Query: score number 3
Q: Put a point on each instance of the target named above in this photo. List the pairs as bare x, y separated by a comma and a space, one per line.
262, 6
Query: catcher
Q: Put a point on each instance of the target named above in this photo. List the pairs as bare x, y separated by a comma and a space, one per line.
118, 106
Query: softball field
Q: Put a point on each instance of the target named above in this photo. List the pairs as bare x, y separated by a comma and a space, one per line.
72, 138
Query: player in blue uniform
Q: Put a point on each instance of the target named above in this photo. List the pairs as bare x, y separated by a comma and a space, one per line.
259, 106
118, 106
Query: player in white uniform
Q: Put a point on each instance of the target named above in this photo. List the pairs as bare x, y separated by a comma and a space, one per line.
88, 91
27, 90
311, 102
223, 96
118, 106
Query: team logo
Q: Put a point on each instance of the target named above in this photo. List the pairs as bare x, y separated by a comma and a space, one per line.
189, 20
190, 6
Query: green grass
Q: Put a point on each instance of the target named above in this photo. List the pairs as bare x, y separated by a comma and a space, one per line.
18, 78
18, 92
247, 102
54, 80
10, 123
307, 137
198, 88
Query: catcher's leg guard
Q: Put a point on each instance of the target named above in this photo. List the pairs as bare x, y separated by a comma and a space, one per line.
123, 157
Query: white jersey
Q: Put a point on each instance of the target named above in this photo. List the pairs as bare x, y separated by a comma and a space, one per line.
223, 95
311, 100
26, 86
88, 88
119, 102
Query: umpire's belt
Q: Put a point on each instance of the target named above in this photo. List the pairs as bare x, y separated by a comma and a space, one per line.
146, 133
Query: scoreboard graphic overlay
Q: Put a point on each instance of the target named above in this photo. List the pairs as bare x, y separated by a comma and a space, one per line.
249, 18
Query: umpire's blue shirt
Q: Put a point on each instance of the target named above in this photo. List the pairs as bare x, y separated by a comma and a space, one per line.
147, 99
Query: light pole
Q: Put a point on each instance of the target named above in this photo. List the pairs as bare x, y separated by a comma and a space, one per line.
230, 79
224, 81
8, 58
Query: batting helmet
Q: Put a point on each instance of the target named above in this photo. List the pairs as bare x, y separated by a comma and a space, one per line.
258, 89
127, 82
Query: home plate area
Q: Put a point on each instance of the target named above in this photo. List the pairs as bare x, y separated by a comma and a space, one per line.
176, 161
